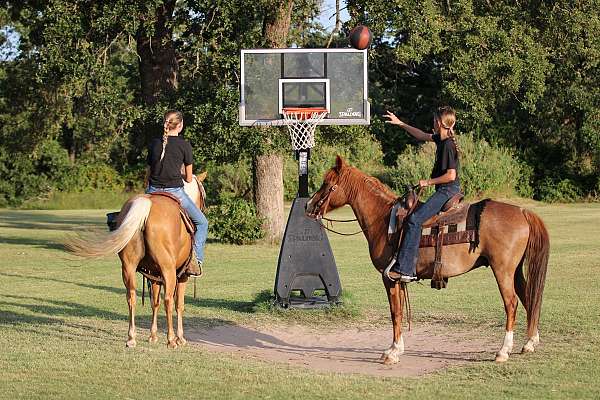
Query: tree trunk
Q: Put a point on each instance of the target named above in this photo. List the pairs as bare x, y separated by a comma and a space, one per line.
159, 70
268, 194
268, 168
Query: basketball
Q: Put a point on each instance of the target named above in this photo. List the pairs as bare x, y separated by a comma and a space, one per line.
360, 37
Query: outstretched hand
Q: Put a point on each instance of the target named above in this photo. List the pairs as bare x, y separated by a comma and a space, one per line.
393, 119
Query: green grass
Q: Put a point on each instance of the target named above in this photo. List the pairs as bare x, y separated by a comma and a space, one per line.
63, 322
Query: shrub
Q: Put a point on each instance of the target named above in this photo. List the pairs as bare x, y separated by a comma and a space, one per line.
234, 220
231, 180
560, 190
485, 169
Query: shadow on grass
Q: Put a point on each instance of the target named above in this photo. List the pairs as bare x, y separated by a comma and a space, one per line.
110, 289
45, 244
48, 221
261, 301
39, 312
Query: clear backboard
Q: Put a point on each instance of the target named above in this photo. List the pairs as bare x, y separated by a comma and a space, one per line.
275, 79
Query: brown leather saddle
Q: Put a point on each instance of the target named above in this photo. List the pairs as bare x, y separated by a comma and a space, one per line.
457, 222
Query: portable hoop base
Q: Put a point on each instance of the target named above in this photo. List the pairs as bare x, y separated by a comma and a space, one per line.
307, 276
306, 264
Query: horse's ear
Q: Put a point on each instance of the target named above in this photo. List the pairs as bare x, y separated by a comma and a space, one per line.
339, 163
202, 176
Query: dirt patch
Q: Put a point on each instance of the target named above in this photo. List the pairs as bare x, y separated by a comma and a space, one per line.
352, 350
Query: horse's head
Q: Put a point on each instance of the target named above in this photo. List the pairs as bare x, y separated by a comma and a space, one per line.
331, 195
195, 189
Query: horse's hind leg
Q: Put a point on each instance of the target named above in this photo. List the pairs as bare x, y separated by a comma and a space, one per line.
155, 304
128, 271
520, 285
505, 279
130, 258
180, 305
170, 283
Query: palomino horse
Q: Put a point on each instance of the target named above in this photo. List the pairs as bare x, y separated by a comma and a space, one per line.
508, 236
150, 231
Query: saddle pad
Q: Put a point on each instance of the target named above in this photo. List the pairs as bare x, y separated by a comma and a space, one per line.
465, 231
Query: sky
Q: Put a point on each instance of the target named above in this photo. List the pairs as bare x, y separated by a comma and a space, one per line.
327, 17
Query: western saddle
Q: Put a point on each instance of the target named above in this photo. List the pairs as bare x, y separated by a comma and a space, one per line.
452, 225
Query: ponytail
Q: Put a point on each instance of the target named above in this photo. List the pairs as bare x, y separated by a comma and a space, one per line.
447, 118
177, 117
165, 136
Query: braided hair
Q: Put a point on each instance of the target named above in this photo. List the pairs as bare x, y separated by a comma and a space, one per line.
447, 118
172, 118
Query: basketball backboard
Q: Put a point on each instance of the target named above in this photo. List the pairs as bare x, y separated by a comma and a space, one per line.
274, 79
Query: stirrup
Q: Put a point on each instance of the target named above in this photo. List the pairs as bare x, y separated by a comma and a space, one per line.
386, 272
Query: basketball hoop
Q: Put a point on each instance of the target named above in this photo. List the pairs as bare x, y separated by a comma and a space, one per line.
301, 123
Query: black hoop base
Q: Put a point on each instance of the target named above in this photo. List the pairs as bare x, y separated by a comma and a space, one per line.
306, 264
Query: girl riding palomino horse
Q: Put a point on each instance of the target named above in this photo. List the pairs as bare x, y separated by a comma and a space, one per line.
447, 183
163, 174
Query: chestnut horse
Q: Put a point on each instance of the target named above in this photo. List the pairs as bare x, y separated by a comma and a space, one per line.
508, 236
151, 231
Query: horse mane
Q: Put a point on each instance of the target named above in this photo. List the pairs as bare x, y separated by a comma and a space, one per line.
358, 180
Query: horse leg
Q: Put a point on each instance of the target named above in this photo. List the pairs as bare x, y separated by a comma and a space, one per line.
170, 282
520, 285
180, 302
394, 294
509, 297
155, 304
128, 272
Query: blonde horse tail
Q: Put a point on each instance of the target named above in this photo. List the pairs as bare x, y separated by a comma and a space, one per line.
536, 256
113, 242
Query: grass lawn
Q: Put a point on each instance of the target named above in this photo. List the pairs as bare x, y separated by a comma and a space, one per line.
63, 322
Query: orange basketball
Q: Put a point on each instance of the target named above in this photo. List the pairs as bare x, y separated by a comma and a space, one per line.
360, 37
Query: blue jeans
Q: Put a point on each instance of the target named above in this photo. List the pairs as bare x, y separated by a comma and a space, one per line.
195, 214
406, 261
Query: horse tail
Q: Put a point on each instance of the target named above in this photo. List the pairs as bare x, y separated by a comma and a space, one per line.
536, 255
137, 211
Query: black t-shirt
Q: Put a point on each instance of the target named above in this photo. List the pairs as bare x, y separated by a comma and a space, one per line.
446, 157
168, 172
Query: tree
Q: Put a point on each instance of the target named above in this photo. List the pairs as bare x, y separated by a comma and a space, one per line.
519, 74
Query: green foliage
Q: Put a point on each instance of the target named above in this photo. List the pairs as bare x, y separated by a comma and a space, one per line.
521, 75
230, 180
564, 190
234, 220
485, 170
355, 144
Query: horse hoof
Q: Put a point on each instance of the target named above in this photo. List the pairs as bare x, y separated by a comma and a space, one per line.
501, 357
180, 341
172, 344
153, 339
528, 348
389, 359
130, 343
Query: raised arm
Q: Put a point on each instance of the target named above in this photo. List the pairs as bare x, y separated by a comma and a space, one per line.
415, 132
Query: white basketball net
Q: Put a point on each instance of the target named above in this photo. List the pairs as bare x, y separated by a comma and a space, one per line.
302, 124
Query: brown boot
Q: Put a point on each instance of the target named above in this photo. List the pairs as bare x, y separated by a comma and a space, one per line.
194, 267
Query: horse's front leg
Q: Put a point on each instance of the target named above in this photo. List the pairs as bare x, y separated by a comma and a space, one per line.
155, 304
395, 299
180, 305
